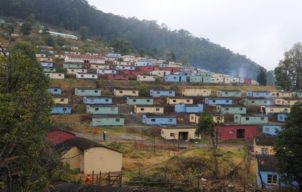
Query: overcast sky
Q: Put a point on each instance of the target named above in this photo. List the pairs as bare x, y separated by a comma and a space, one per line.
260, 29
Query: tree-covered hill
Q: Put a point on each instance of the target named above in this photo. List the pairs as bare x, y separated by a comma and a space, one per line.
144, 35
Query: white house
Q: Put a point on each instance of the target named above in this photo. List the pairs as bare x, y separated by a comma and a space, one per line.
85, 58
55, 75
105, 71
63, 35
86, 76
160, 73
76, 71
146, 78
99, 66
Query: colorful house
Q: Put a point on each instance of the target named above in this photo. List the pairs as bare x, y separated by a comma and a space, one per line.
162, 93
257, 102
55, 90
87, 92
200, 79
106, 71
115, 77
75, 71
160, 73
250, 119
229, 93
187, 108
173, 133
282, 94
159, 120
275, 109
146, 78
230, 109
258, 94
264, 145
56, 136
125, 92
61, 110
98, 66
194, 92
140, 101
271, 129
175, 78
86, 76
179, 100
194, 118
49, 70
97, 100
147, 109
60, 100
218, 101
286, 102
102, 109
227, 132
46, 64
125, 67
73, 65
105, 120
55, 75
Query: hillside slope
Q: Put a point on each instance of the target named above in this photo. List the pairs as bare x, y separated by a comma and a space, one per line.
142, 35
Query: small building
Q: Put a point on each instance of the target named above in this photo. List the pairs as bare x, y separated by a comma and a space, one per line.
140, 101
102, 109
61, 110
179, 100
87, 92
86, 76
159, 120
99, 66
106, 71
281, 117
258, 94
49, 70
227, 132
194, 92
264, 145
230, 109
162, 93
175, 78
286, 102
84, 58
56, 136
75, 71
282, 94
271, 129
125, 92
188, 108
55, 75
105, 120
88, 156
218, 101
46, 64
73, 65
229, 93
173, 133
200, 79
125, 67
97, 100
147, 78
60, 100
147, 109
257, 102
55, 90
275, 109
116, 77
63, 35
250, 119
194, 118
160, 73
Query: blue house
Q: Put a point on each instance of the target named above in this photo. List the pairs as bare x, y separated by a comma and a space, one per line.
61, 110
97, 100
185, 108
281, 117
176, 78
158, 120
258, 94
55, 90
218, 101
162, 93
47, 64
271, 129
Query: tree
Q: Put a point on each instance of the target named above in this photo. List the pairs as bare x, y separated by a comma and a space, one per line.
26, 28
26, 162
289, 147
270, 76
84, 33
121, 46
261, 77
289, 72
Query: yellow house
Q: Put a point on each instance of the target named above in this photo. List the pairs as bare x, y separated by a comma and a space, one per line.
290, 102
160, 73
146, 78
125, 92
263, 145
196, 92
148, 109
179, 100
282, 94
275, 109
60, 100
194, 118
178, 133
55, 75
75, 71
88, 156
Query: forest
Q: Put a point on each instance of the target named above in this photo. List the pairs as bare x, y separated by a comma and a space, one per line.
142, 36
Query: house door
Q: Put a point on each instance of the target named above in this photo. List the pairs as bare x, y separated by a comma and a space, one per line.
183, 135
179, 79
240, 134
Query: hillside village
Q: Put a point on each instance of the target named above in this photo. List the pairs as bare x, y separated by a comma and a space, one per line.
96, 96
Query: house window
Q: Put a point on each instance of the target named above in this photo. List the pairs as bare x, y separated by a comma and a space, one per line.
152, 120
158, 92
60, 74
227, 109
262, 118
253, 101
172, 134
117, 120
157, 109
174, 100
272, 179
188, 100
214, 101
133, 91
95, 91
241, 109
64, 109
170, 120
82, 75
61, 100
121, 91
142, 109
106, 100
227, 101
133, 100
148, 100
96, 109
266, 101
247, 118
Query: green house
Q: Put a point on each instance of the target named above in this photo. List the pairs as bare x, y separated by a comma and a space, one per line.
140, 101
200, 79
49, 70
101, 120
231, 109
102, 109
257, 102
250, 119
228, 93
87, 92
72, 65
